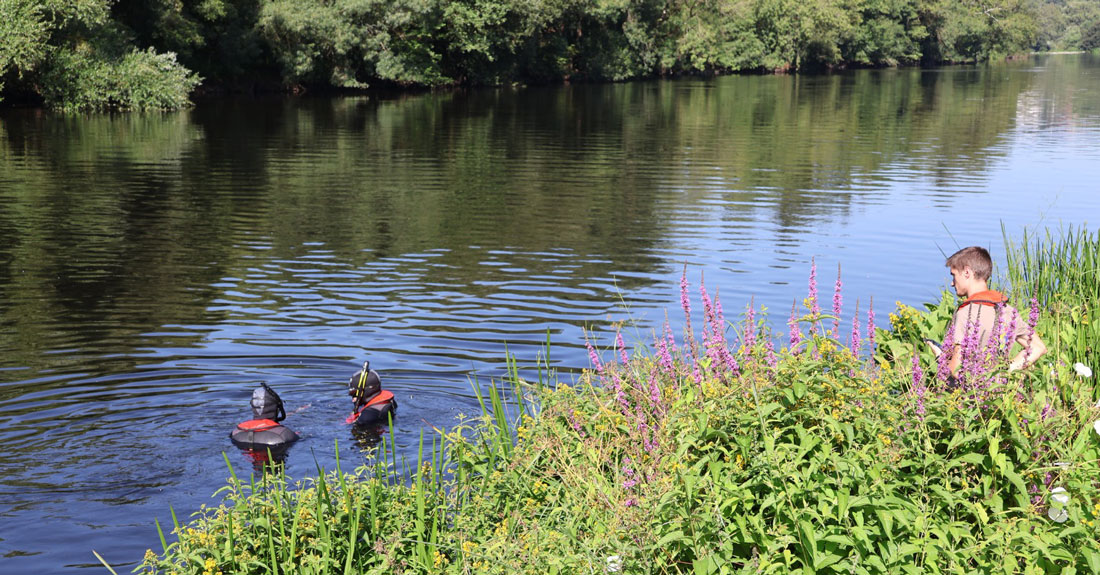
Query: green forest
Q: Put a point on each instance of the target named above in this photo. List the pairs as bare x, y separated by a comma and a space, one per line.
154, 54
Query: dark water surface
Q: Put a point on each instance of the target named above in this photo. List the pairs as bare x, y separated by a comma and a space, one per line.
154, 268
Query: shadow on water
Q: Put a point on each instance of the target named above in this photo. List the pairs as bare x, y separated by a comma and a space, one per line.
155, 268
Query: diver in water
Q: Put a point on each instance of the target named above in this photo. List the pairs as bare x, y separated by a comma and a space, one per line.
373, 405
263, 431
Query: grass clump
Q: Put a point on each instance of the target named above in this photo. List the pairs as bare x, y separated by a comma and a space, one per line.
701, 457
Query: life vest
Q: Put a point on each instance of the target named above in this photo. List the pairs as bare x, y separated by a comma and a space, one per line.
988, 297
379, 399
257, 425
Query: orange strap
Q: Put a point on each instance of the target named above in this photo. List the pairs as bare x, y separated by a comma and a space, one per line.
988, 297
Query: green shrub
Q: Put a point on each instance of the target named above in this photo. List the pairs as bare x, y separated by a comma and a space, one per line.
699, 458
139, 80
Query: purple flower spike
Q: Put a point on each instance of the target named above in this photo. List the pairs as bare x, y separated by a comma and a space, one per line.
593, 358
812, 296
918, 386
769, 353
943, 370
685, 302
855, 332
1032, 321
796, 332
664, 356
622, 347
654, 390
750, 328
871, 326
971, 362
838, 299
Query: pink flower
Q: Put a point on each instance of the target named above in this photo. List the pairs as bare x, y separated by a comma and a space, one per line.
855, 332
943, 371
750, 329
792, 324
871, 326
593, 358
769, 353
837, 301
664, 356
815, 309
918, 388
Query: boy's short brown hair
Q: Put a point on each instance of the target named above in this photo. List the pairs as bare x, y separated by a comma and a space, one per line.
974, 257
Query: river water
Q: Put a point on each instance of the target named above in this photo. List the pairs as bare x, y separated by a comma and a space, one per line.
154, 268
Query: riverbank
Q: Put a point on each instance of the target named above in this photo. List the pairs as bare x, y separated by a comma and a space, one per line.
714, 452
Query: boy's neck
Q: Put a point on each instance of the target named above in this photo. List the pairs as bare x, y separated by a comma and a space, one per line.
976, 288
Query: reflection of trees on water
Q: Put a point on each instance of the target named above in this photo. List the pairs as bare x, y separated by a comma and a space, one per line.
118, 224
1063, 95
101, 239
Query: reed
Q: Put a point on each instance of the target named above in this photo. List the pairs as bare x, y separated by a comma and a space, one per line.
1061, 270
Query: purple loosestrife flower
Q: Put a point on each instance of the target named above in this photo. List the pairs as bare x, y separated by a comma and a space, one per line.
664, 357
838, 299
750, 328
654, 390
811, 298
856, 340
593, 358
918, 385
992, 347
685, 302
796, 331
622, 347
617, 388
732, 366
1010, 333
871, 327
769, 353
708, 314
1032, 321
969, 369
628, 472
943, 363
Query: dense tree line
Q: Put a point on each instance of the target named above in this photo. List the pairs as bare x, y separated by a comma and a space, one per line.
1069, 25
152, 53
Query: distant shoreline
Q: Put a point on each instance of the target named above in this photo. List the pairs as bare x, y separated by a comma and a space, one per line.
1063, 52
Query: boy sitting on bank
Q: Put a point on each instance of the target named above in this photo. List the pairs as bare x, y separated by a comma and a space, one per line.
970, 271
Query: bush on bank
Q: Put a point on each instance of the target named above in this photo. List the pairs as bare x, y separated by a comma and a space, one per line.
705, 457
73, 56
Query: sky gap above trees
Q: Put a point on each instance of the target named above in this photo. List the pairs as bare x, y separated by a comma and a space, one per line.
151, 54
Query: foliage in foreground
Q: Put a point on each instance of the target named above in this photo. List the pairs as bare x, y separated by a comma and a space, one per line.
696, 458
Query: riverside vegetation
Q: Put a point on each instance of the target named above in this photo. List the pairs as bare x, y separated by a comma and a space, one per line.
139, 54
844, 451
